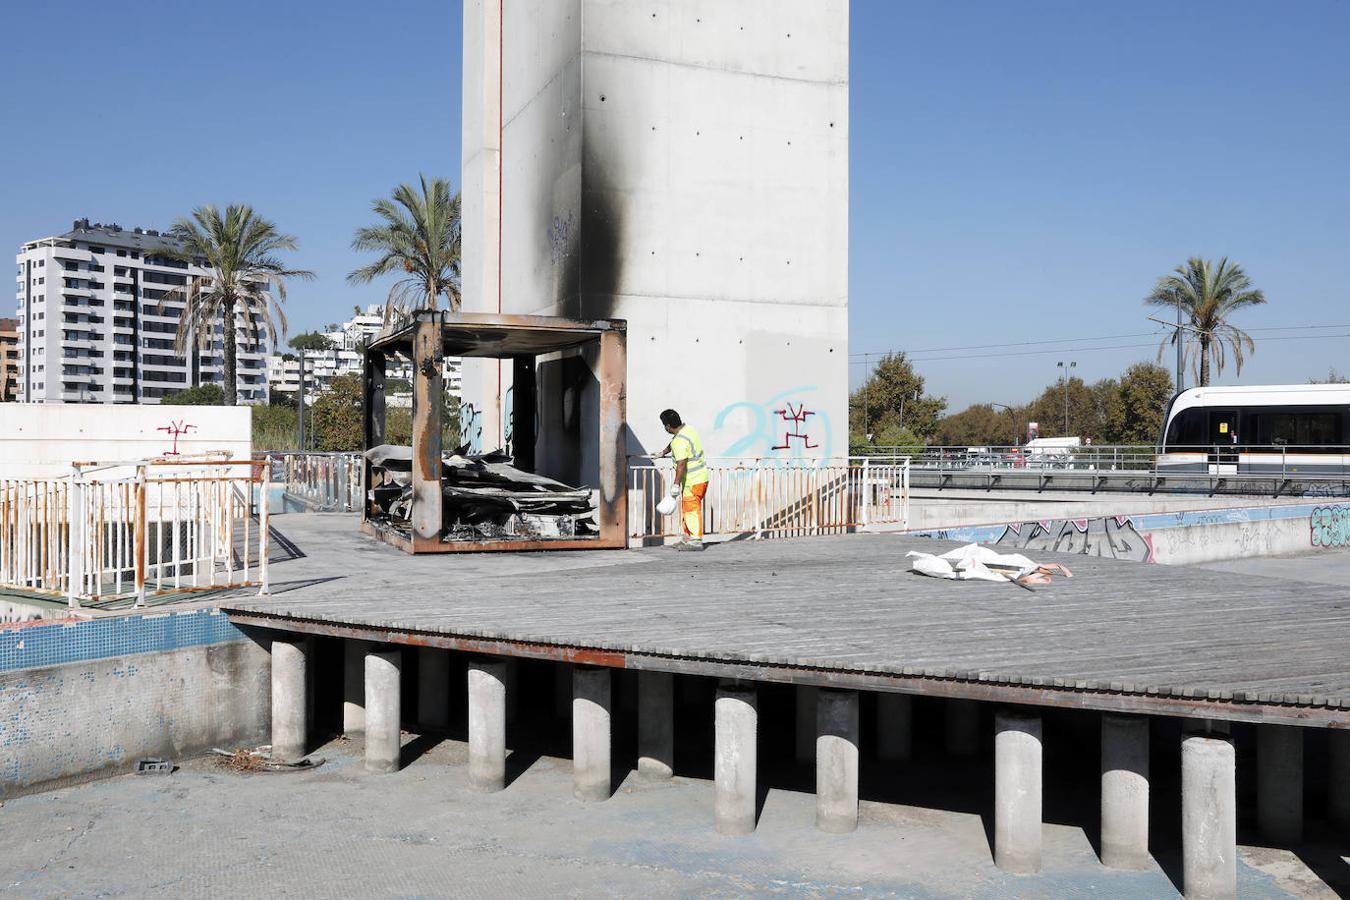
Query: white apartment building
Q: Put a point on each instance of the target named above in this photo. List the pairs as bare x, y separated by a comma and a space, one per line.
93, 327
348, 340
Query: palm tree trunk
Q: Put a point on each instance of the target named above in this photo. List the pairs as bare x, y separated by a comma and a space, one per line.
230, 385
1204, 361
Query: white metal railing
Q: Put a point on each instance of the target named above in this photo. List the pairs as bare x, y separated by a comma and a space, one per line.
774, 497
117, 530
324, 482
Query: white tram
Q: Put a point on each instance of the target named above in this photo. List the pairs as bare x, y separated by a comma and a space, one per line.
1279, 429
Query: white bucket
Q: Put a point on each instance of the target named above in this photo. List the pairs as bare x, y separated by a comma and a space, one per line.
666, 506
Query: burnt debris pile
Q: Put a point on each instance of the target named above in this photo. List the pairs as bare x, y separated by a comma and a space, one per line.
483, 497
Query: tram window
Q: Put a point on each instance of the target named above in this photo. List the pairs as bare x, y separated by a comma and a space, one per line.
1188, 427
1298, 429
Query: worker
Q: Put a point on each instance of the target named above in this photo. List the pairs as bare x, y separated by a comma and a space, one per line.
691, 477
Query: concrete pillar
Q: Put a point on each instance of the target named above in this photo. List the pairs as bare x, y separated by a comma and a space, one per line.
591, 698
1338, 802
736, 723
487, 725
1017, 791
962, 728
290, 696
354, 686
1125, 791
895, 727
656, 724
1279, 782
807, 701
384, 708
1208, 816
433, 688
837, 761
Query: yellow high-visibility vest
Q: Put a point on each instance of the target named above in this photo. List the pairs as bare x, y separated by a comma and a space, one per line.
687, 445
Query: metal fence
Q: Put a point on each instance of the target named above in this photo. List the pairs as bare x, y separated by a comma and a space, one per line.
321, 482
128, 530
774, 497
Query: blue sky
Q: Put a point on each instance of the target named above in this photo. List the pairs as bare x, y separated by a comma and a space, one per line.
1020, 172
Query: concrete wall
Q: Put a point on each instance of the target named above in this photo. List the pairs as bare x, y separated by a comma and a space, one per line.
1174, 538
683, 166
43, 439
81, 717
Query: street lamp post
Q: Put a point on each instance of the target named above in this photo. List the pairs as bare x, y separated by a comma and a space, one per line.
1066, 367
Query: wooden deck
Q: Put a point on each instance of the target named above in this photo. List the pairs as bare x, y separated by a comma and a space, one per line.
845, 611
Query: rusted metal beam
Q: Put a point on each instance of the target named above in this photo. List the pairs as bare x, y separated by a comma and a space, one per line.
613, 437
949, 688
428, 408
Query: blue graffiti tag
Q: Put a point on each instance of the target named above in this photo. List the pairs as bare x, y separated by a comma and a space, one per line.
779, 427
1330, 526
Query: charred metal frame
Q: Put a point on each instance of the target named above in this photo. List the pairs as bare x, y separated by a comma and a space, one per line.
427, 339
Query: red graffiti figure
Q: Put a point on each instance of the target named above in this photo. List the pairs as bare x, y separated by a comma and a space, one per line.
796, 417
175, 429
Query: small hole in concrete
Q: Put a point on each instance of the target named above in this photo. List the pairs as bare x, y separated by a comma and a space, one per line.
602, 100
831, 124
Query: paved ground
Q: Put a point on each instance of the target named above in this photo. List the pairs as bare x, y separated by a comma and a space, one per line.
1326, 567
339, 831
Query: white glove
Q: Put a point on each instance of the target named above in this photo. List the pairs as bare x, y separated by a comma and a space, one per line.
675, 490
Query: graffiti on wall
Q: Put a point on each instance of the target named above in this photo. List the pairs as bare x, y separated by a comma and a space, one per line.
1330, 526
560, 237
794, 418
1114, 537
176, 429
471, 427
776, 426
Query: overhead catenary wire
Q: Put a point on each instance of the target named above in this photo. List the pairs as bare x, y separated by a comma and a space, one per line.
915, 355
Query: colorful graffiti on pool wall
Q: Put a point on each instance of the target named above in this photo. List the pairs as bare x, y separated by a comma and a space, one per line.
783, 425
1114, 537
1330, 526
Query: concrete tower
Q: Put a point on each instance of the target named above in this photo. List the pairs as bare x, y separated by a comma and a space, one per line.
682, 164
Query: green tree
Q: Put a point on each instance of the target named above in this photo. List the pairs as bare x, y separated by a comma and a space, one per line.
979, 425
1208, 295
419, 236
336, 415
245, 282
1088, 405
311, 340
201, 395
893, 397
1143, 395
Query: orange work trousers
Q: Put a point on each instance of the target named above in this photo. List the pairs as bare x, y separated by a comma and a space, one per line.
691, 509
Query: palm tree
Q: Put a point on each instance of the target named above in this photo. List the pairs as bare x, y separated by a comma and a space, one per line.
419, 236
1208, 294
245, 279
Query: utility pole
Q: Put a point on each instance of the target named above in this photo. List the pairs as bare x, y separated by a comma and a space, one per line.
866, 435
1012, 414
1066, 368
1180, 371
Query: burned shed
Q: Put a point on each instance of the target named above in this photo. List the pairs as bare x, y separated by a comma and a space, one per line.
437, 497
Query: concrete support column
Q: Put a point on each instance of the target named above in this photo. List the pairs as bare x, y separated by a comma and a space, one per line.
736, 723
290, 697
962, 728
656, 724
837, 761
1279, 782
1208, 816
1017, 791
384, 708
1125, 792
895, 727
807, 701
1338, 803
487, 725
591, 699
354, 686
433, 688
